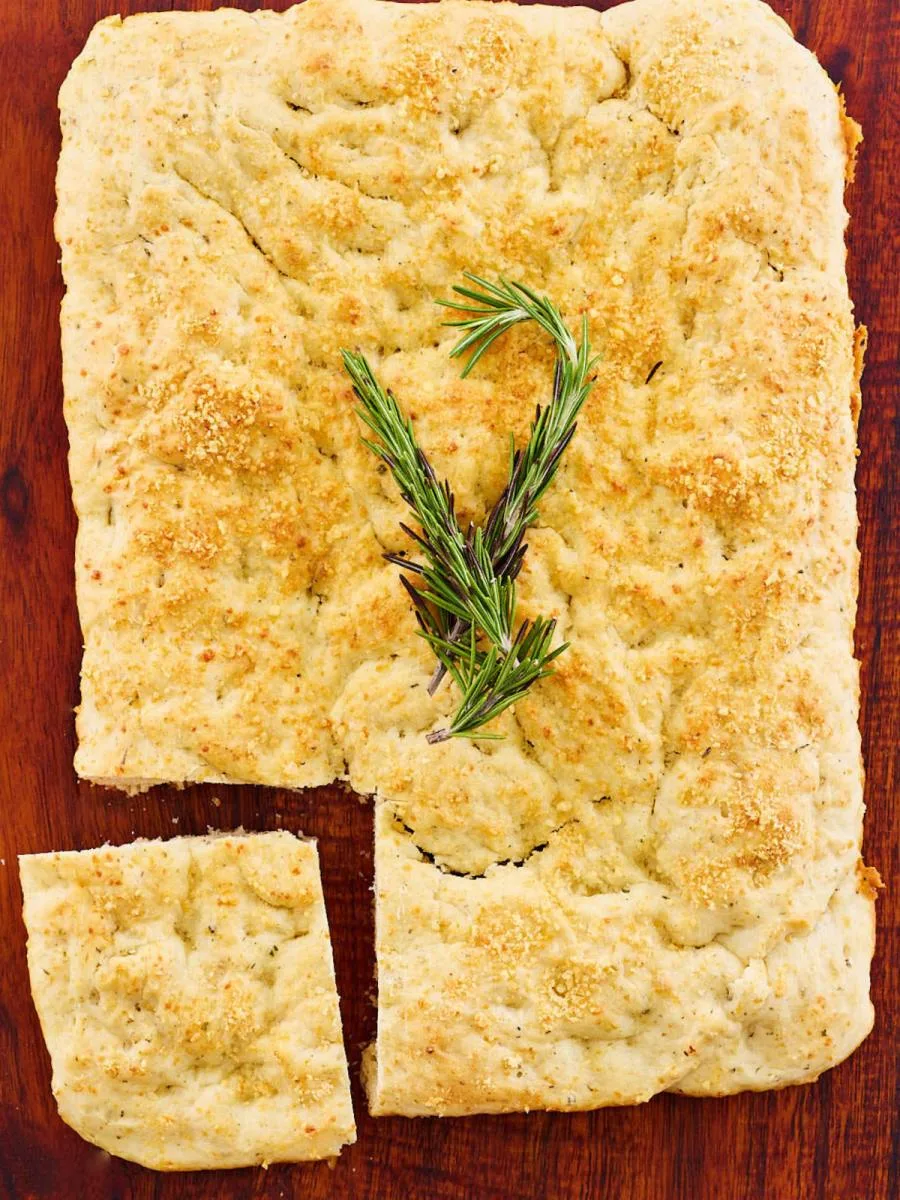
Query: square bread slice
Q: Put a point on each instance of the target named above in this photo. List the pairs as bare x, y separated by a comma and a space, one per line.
187, 997
654, 880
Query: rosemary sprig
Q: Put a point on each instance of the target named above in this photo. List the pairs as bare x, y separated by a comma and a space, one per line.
467, 584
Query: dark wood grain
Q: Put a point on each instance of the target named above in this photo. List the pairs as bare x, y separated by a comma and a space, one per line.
835, 1140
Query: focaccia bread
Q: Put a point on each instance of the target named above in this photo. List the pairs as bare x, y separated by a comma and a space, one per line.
652, 882
187, 997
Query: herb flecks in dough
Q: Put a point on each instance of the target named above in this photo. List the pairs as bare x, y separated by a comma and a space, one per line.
467, 591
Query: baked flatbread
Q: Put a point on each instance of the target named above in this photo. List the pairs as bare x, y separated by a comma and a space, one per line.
652, 881
187, 998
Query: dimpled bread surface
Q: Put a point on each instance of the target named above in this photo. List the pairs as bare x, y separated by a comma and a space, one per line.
187, 998
653, 882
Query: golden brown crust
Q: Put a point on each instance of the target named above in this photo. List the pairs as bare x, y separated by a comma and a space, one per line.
186, 994
870, 882
240, 196
853, 138
860, 342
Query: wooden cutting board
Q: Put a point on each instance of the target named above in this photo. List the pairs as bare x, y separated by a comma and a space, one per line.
831, 1140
